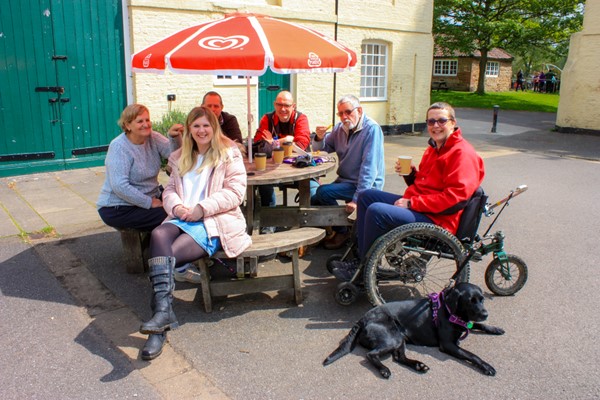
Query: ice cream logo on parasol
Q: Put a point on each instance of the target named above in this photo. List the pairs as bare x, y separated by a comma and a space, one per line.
314, 61
146, 62
223, 43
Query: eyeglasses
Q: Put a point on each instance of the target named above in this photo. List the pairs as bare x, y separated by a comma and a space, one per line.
346, 112
283, 105
440, 122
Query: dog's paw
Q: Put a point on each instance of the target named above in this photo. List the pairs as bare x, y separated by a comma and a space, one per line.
385, 372
487, 369
422, 368
497, 331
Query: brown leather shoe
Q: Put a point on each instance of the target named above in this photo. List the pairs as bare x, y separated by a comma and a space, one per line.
337, 241
288, 254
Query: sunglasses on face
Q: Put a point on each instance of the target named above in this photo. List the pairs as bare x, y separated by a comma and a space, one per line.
346, 112
440, 122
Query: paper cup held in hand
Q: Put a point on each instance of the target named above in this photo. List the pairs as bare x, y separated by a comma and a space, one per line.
404, 162
260, 161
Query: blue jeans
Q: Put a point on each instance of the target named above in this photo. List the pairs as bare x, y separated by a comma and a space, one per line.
330, 193
377, 215
267, 193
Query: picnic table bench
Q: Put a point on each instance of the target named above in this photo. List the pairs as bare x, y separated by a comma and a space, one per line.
247, 279
135, 249
439, 85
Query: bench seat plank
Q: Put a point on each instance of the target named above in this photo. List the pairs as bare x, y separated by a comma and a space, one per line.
262, 245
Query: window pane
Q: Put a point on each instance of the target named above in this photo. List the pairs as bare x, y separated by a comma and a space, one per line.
373, 80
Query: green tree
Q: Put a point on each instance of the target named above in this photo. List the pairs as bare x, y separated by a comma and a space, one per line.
469, 25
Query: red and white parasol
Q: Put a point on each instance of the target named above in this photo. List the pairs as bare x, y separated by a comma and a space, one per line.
245, 44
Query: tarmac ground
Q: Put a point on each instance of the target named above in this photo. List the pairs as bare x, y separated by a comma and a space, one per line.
70, 314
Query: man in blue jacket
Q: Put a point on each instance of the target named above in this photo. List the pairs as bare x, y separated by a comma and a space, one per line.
358, 142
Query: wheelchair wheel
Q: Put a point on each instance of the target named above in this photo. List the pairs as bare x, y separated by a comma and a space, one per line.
506, 279
412, 261
346, 293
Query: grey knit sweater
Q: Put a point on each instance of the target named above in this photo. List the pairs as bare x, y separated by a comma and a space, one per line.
132, 170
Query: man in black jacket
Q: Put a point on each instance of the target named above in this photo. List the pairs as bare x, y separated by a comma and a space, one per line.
229, 123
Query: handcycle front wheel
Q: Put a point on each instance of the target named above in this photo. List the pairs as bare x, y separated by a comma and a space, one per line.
411, 261
505, 278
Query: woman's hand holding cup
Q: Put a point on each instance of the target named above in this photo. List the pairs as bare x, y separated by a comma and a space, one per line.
404, 165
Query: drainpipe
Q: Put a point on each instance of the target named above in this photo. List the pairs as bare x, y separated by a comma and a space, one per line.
413, 100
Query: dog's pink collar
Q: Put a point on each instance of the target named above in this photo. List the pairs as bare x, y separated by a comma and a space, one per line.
436, 304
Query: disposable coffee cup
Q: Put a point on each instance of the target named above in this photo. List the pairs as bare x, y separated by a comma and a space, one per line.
287, 149
260, 161
278, 155
404, 163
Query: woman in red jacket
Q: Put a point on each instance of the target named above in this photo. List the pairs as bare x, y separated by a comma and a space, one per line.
448, 175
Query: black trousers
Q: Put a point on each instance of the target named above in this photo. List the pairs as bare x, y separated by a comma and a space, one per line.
132, 217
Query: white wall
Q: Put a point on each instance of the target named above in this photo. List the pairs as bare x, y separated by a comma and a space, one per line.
405, 25
580, 81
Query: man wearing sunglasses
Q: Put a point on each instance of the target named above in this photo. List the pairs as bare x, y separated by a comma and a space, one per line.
449, 174
358, 142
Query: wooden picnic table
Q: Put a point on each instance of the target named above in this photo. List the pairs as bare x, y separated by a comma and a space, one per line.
290, 216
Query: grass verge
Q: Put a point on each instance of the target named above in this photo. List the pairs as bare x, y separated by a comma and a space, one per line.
520, 101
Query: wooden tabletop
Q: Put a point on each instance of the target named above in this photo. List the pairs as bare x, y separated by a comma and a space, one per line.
284, 173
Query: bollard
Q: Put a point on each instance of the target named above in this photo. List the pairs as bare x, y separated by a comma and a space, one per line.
495, 121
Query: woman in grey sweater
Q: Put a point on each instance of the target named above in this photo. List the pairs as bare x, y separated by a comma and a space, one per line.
131, 195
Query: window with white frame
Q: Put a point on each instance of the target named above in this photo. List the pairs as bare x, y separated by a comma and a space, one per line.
373, 71
229, 80
492, 68
445, 67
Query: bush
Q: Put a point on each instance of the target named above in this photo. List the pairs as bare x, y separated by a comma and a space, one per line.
168, 120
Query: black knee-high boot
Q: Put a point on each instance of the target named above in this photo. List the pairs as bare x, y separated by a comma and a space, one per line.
154, 345
163, 283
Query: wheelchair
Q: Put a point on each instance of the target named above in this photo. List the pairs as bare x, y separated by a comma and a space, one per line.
416, 259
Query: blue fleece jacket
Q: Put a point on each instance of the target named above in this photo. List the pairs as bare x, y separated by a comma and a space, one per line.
360, 154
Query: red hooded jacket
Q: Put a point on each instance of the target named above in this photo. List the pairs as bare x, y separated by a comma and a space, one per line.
446, 177
298, 122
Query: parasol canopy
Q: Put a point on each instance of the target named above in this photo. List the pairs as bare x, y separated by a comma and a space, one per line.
245, 44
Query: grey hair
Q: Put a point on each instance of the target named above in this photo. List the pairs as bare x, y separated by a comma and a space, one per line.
348, 98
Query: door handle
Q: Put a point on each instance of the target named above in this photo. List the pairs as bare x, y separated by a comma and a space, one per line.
53, 89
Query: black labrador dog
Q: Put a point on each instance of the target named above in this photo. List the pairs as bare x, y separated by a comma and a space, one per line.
439, 321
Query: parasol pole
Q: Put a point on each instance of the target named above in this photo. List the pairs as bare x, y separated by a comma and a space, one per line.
249, 117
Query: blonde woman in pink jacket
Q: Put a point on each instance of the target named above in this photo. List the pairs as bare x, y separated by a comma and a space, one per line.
202, 200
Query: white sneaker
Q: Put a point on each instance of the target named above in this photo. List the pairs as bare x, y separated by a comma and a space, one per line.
191, 275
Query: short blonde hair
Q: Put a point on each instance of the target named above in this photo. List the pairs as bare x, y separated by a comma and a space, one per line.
130, 113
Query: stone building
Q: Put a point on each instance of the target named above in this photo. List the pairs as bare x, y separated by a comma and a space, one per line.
460, 71
580, 81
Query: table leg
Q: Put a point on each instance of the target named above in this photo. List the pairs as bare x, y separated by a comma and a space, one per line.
304, 193
250, 208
